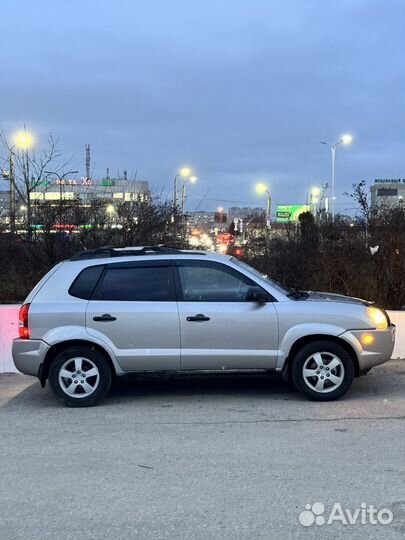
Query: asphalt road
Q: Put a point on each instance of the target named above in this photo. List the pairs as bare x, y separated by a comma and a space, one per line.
201, 458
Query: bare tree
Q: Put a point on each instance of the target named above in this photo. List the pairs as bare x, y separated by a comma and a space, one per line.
29, 169
361, 199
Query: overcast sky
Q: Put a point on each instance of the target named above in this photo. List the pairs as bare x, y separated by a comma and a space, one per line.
240, 90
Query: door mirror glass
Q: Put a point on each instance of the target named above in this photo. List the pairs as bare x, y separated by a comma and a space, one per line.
257, 294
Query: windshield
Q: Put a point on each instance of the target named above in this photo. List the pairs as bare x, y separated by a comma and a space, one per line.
278, 286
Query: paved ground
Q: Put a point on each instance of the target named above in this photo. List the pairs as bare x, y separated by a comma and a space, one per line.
231, 457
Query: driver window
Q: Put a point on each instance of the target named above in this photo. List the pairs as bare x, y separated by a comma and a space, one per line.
211, 282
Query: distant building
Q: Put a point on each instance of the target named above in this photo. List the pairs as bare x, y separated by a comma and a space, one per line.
387, 191
244, 212
203, 221
85, 190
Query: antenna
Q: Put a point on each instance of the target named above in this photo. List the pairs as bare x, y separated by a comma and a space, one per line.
87, 161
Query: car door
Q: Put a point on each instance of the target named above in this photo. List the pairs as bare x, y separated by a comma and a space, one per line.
134, 310
219, 327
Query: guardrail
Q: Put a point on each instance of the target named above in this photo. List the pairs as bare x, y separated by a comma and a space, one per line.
9, 330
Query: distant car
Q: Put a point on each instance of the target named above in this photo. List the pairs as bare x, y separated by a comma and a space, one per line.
108, 312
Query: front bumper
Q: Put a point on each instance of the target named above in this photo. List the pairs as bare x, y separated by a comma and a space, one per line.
373, 347
28, 355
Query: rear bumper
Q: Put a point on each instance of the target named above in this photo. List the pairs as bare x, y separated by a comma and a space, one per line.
373, 347
28, 355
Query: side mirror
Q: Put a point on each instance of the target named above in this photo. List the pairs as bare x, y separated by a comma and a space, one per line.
256, 294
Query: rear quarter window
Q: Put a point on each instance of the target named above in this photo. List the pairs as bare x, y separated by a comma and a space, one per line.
139, 283
85, 283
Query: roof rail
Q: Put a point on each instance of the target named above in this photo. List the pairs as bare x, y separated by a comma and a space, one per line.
108, 251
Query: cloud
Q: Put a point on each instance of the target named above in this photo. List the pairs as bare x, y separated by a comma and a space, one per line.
240, 90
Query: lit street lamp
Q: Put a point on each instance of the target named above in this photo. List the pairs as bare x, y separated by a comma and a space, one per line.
110, 210
185, 172
345, 139
262, 189
23, 140
314, 198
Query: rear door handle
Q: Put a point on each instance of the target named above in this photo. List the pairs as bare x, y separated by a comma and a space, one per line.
198, 318
105, 318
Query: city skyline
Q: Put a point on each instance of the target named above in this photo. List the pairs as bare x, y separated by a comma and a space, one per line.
239, 95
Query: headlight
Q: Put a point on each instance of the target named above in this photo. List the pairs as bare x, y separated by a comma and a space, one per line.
377, 317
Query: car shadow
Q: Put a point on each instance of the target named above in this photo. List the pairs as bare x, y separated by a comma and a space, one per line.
381, 383
27, 392
219, 384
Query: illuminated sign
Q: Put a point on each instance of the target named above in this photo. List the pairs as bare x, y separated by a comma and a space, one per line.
82, 182
107, 182
290, 212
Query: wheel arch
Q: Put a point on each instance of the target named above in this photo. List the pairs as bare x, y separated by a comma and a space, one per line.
300, 342
55, 349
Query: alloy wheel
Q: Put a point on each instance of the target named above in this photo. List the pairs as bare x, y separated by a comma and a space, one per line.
323, 372
79, 377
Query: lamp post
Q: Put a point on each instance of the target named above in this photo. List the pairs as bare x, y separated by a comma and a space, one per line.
262, 189
12, 192
192, 180
184, 172
345, 139
23, 141
60, 180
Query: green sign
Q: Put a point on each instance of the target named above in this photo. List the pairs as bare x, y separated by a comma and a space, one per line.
290, 212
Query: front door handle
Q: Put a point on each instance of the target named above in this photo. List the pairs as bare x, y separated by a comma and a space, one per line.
198, 318
105, 318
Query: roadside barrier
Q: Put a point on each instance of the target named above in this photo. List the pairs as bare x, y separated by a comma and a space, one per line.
9, 330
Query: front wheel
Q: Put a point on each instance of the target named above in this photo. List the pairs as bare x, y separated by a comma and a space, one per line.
322, 370
80, 376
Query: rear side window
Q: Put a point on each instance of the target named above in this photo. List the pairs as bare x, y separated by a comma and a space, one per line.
85, 283
137, 284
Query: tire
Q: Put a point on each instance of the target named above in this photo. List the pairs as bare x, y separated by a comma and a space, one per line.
322, 370
80, 376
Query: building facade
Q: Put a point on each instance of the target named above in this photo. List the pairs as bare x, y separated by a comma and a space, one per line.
387, 191
84, 190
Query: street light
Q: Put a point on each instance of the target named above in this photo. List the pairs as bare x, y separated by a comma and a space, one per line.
24, 139
262, 189
314, 197
60, 180
345, 139
192, 180
185, 172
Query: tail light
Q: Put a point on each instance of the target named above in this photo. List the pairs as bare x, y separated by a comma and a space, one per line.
23, 322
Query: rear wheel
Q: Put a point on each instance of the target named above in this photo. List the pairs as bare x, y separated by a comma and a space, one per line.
322, 370
80, 376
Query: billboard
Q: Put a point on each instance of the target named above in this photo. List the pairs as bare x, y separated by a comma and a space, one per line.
290, 212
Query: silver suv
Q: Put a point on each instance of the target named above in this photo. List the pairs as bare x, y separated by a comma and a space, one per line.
108, 312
